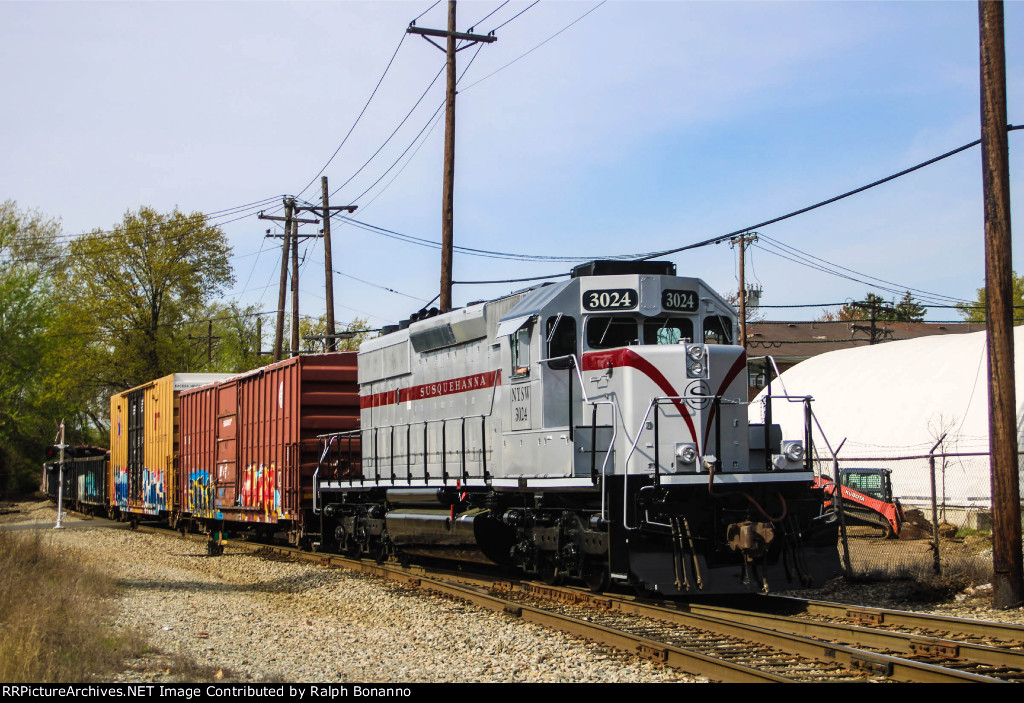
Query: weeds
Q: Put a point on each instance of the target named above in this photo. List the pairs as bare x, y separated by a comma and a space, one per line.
55, 616
919, 582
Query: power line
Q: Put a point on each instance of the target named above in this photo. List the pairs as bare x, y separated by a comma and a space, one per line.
480, 21
838, 266
521, 56
424, 12
509, 20
359, 117
393, 133
801, 211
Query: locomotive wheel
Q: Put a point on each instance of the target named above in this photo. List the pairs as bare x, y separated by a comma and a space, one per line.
596, 575
550, 573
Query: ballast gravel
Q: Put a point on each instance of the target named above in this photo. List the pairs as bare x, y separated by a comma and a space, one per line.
258, 620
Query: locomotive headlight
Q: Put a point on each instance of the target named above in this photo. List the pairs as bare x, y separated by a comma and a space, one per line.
686, 454
695, 352
696, 369
794, 451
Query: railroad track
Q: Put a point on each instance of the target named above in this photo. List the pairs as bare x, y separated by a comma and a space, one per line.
735, 644
762, 639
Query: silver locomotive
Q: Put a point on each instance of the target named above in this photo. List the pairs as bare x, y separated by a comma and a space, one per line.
593, 429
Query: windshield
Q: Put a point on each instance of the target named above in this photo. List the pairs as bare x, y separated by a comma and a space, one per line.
667, 330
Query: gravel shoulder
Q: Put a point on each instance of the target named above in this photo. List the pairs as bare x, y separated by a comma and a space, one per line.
243, 618
240, 618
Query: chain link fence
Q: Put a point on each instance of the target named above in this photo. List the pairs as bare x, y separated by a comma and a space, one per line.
919, 517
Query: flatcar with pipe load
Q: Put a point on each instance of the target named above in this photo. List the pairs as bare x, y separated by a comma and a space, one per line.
593, 429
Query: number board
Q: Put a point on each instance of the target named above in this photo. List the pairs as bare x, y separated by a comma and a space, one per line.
680, 300
611, 299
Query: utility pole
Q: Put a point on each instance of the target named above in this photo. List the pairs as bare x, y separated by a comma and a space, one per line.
209, 342
448, 189
295, 290
289, 203
326, 211
741, 241
1008, 579
289, 220
875, 307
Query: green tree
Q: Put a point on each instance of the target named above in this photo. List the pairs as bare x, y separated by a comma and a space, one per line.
30, 250
132, 296
975, 312
909, 310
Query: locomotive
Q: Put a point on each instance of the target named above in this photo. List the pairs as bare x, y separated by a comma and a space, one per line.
594, 429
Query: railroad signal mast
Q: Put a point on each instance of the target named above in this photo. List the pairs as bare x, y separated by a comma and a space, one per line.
447, 194
60, 483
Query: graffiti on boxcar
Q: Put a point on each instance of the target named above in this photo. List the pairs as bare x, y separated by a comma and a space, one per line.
201, 495
121, 487
154, 496
259, 490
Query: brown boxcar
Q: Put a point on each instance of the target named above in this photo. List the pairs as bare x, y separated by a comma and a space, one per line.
143, 445
248, 445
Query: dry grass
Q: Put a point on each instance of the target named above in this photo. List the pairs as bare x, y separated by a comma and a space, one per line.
55, 616
923, 584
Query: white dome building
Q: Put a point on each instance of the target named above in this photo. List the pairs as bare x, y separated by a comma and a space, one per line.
892, 402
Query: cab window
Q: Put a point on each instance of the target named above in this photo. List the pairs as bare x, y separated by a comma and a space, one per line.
667, 330
608, 332
519, 342
561, 338
717, 329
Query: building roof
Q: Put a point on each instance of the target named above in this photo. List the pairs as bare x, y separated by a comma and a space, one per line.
796, 341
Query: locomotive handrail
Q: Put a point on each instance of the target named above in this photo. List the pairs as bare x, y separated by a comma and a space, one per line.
671, 399
316, 472
329, 437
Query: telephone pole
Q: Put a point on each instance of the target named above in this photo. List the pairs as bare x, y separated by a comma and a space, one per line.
295, 289
290, 231
1008, 577
741, 241
875, 306
448, 189
209, 342
326, 209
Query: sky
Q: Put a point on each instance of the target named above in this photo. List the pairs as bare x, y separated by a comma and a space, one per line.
641, 127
